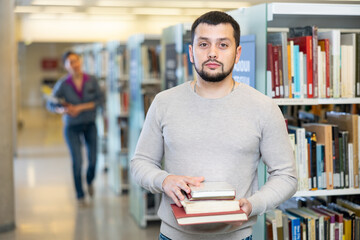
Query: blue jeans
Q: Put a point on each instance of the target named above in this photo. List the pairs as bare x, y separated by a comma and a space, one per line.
163, 237
74, 136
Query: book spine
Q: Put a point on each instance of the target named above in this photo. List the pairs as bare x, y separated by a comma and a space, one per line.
315, 60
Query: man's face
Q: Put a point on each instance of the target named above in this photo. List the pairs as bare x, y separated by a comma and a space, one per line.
73, 64
214, 51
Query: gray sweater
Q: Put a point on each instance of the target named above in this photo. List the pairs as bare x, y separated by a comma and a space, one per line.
221, 139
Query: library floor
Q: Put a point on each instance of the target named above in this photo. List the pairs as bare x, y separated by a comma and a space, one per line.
45, 201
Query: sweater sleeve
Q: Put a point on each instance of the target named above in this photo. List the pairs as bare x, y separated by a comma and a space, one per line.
54, 101
277, 154
145, 166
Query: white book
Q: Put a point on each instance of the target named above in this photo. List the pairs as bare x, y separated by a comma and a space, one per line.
271, 218
351, 165
349, 39
209, 206
334, 41
212, 190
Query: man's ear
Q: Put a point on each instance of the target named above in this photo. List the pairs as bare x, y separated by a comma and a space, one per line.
191, 54
238, 54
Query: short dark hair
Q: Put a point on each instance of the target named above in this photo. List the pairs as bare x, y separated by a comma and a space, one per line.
67, 54
215, 18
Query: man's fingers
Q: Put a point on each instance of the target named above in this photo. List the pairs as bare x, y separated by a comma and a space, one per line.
175, 199
194, 180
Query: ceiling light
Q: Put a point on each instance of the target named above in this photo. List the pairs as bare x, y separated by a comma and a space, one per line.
157, 11
112, 18
42, 16
59, 9
107, 10
27, 9
117, 3
58, 2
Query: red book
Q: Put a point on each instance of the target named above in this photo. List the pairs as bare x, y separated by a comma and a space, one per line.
276, 70
201, 218
325, 47
270, 68
305, 45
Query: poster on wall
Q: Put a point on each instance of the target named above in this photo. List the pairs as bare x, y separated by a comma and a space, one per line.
244, 70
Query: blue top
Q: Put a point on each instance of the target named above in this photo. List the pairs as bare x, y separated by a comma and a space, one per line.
65, 91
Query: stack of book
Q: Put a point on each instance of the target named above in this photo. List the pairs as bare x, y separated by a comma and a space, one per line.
211, 202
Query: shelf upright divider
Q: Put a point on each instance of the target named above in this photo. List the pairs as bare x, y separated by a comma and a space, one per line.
139, 197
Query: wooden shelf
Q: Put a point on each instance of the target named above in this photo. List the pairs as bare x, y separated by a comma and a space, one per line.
315, 101
334, 192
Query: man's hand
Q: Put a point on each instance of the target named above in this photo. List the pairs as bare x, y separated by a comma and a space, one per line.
173, 184
246, 206
73, 110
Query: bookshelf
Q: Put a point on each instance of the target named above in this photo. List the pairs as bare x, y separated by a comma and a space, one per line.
144, 83
174, 55
116, 114
271, 17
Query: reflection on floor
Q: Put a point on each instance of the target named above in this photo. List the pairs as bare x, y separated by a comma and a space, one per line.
45, 201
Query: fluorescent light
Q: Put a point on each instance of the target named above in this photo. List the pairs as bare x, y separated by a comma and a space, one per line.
196, 12
27, 9
42, 16
59, 9
112, 18
77, 16
117, 3
157, 11
226, 5
107, 10
178, 4
58, 2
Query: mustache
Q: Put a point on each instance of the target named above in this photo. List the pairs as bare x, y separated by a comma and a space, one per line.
212, 61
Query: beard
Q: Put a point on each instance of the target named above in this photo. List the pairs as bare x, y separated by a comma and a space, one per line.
213, 78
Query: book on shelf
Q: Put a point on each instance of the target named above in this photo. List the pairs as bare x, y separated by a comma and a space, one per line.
209, 206
277, 215
285, 222
357, 67
212, 190
294, 226
313, 32
350, 123
334, 40
320, 166
312, 164
348, 219
325, 47
344, 160
305, 46
280, 39
324, 136
339, 229
270, 71
348, 65
308, 221
330, 219
300, 156
273, 232
202, 218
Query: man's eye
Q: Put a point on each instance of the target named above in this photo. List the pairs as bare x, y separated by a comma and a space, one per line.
223, 45
203, 44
